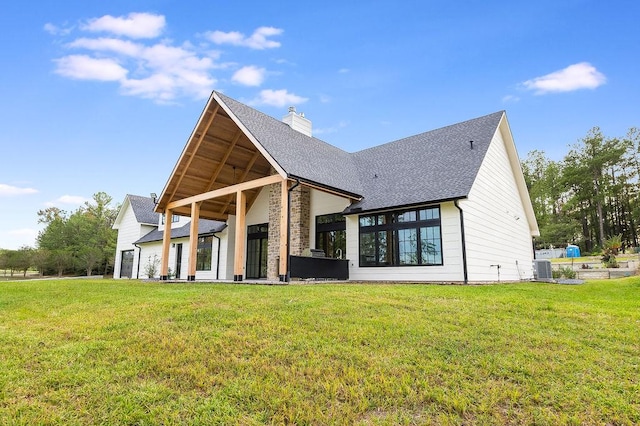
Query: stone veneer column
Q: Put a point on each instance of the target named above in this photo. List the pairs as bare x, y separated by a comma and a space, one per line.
273, 248
300, 217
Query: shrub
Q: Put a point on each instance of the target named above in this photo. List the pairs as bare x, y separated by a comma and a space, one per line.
151, 268
564, 271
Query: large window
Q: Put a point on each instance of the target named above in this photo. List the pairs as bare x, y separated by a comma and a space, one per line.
331, 235
204, 254
408, 237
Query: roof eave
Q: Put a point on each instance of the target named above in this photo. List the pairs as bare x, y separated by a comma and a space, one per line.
357, 210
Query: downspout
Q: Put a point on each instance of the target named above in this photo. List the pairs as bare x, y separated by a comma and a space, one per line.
464, 243
139, 255
287, 277
218, 256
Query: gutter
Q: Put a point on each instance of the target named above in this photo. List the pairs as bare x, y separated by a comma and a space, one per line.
139, 255
287, 276
464, 243
217, 256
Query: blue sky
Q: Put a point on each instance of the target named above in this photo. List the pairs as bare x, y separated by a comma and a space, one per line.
102, 96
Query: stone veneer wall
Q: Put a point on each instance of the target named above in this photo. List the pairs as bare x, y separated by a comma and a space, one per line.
273, 243
300, 217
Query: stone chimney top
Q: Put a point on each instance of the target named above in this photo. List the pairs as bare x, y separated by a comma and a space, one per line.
297, 122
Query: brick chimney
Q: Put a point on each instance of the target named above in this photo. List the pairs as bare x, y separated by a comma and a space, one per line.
297, 122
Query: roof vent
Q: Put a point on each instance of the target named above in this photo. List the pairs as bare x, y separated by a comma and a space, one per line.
297, 122
471, 144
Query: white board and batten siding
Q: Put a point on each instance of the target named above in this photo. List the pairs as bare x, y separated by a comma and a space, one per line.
497, 230
451, 269
129, 231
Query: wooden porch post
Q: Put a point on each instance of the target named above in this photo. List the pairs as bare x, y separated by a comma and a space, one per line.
241, 210
284, 231
166, 241
193, 241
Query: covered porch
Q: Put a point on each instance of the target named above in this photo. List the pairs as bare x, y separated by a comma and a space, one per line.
220, 173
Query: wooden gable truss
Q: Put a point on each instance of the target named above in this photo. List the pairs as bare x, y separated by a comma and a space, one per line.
220, 173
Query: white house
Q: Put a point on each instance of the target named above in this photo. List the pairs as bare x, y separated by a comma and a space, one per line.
139, 244
448, 205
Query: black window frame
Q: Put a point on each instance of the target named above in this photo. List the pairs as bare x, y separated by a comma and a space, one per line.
205, 246
327, 224
381, 237
174, 218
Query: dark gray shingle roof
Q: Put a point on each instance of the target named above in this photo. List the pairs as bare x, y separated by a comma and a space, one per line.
205, 227
143, 209
299, 155
432, 166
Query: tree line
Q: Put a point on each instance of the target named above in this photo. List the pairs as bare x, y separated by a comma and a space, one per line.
591, 196
77, 243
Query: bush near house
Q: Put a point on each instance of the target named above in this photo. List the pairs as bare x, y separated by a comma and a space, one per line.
78, 352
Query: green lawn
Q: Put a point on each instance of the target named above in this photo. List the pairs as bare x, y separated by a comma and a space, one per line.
127, 352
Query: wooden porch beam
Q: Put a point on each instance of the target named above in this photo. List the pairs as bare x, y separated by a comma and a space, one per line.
166, 241
243, 186
193, 241
242, 178
195, 149
238, 259
223, 161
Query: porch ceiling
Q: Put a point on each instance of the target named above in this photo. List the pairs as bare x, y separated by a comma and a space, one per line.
218, 154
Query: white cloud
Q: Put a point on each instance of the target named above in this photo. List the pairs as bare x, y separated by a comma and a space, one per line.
249, 76
69, 200
9, 190
278, 98
55, 30
574, 77
83, 67
160, 70
343, 70
510, 98
134, 25
115, 45
333, 129
258, 40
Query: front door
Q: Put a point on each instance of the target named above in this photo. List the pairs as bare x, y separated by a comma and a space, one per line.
126, 264
257, 246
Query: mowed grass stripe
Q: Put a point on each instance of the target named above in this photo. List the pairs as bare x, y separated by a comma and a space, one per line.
129, 352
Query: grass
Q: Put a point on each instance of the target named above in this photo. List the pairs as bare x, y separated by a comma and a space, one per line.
128, 352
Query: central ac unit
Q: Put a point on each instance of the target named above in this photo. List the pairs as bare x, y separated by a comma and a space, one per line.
542, 270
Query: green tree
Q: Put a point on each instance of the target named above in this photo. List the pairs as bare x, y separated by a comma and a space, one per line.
23, 259
587, 168
84, 239
41, 259
546, 187
56, 238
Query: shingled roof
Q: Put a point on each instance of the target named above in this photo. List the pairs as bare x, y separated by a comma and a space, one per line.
205, 227
433, 166
143, 209
299, 155
437, 165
